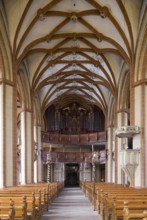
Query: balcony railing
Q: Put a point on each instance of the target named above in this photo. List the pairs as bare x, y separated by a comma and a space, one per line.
75, 139
78, 157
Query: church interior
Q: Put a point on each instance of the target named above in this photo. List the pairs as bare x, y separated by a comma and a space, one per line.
73, 104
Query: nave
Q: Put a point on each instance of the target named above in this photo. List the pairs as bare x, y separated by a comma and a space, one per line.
71, 204
73, 88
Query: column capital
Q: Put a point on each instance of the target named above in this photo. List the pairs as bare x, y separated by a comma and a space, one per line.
26, 110
122, 111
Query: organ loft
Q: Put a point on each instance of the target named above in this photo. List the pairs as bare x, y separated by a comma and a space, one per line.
74, 119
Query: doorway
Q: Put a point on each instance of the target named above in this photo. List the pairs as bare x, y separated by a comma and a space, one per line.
72, 175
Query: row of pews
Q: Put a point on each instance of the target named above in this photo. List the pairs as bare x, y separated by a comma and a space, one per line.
27, 202
117, 201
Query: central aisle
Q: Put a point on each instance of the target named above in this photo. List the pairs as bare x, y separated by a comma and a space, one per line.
71, 204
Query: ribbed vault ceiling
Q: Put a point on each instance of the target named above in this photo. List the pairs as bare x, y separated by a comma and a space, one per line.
73, 49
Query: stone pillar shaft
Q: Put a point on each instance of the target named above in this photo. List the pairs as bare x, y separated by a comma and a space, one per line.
110, 162
37, 162
27, 156
122, 120
8, 174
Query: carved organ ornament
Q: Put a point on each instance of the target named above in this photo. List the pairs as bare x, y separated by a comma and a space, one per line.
74, 119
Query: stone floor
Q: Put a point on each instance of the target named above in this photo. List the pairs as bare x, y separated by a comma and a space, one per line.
71, 204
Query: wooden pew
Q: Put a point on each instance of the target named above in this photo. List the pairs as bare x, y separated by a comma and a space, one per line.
7, 211
36, 203
110, 205
120, 192
21, 206
137, 214
103, 199
29, 200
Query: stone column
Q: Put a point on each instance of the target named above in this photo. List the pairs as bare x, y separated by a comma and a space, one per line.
58, 172
140, 140
87, 171
49, 166
120, 143
8, 141
37, 162
84, 170
27, 149
62, 172
81, 172
110, 161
